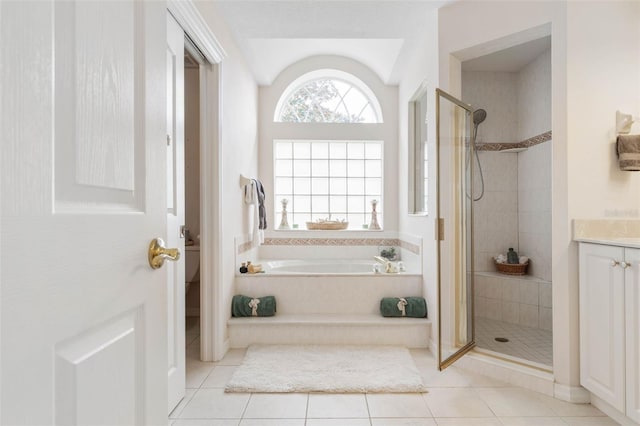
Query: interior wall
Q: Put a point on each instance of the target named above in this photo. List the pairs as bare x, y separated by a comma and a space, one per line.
192, 150
192, 182
239, 145
493, 26
423, 68
590, 79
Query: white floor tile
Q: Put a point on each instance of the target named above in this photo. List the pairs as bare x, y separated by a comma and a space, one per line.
403, 422
532, 421
201, 422
215, 404
456, 402
468, 421
197, 372
338, 422
272, 422
188, 394
233, 357
397, 405
452, 377
219, 376
514, 402
277, 406
589, 421
567, 409
337, 406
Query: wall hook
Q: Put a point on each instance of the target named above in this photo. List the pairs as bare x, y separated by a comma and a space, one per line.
624, 122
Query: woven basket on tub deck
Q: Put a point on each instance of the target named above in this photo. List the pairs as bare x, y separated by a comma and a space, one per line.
512, 268
328, 225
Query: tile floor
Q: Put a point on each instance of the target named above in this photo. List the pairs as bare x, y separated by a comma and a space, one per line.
456, 397
533, 344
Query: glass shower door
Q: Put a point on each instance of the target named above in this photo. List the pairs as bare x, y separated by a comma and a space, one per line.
454, 171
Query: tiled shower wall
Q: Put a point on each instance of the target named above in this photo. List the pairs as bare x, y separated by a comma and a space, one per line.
515, 210
518, 300
534, 165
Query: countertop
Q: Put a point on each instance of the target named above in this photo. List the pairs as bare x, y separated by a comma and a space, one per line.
630, 242
612, 232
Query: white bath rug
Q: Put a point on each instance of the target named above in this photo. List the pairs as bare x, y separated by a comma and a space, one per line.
332, 369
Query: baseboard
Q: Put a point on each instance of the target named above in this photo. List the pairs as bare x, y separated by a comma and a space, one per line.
226, 345
575, 394
516, 374
433, 346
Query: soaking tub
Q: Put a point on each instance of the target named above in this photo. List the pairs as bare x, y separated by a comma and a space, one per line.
322, 267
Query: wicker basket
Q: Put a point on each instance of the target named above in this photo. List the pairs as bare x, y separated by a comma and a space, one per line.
327, 225
512, 268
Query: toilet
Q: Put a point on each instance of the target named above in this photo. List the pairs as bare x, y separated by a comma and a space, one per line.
192, 265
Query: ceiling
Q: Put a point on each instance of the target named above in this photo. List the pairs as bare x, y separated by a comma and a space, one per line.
275, 34
512, 59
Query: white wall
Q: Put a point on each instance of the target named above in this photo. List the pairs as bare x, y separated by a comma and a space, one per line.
424, 67
387, 131
239, 142
590, 80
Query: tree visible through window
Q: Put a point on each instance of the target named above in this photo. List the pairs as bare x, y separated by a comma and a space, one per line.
328, 100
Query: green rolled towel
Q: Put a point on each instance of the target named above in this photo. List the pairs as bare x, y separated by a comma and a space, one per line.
414, 307
244, 306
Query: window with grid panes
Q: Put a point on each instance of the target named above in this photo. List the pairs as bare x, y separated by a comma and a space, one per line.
328, 179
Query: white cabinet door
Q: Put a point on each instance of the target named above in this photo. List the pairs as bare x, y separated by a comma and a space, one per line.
82, 178
632, 309
602, 358
175, 208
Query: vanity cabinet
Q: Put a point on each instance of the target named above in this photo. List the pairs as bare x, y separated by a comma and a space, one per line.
610, 325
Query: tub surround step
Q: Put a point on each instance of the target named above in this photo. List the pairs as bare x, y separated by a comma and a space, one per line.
329, 294
327, 329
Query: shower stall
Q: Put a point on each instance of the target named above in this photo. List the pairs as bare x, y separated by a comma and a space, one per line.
511, 191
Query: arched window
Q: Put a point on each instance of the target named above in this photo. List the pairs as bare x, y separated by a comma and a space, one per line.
328, 96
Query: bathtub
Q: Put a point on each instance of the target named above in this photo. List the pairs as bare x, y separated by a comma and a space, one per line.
321, 267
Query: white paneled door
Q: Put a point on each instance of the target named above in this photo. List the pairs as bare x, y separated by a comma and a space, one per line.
175, 208
83, 191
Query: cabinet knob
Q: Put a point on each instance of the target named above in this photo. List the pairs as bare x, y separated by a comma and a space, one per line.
614, 262
625, 265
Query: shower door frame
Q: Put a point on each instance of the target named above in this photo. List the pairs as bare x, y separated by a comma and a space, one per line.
470, 344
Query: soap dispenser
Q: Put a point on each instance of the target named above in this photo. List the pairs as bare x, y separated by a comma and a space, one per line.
512, 256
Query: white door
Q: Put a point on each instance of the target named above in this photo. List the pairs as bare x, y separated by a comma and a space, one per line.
632, 311
175, 208
83, 119
602, 346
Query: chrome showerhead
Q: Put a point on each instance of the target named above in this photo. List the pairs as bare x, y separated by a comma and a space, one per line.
479, 116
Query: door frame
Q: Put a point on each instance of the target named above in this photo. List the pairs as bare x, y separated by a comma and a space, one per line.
212, 321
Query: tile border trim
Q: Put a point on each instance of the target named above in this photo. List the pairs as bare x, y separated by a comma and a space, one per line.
414, 248
527, 143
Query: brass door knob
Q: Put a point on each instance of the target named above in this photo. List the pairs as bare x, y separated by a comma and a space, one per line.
158, 253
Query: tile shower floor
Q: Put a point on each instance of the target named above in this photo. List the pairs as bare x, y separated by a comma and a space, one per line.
456, 397
532, 344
